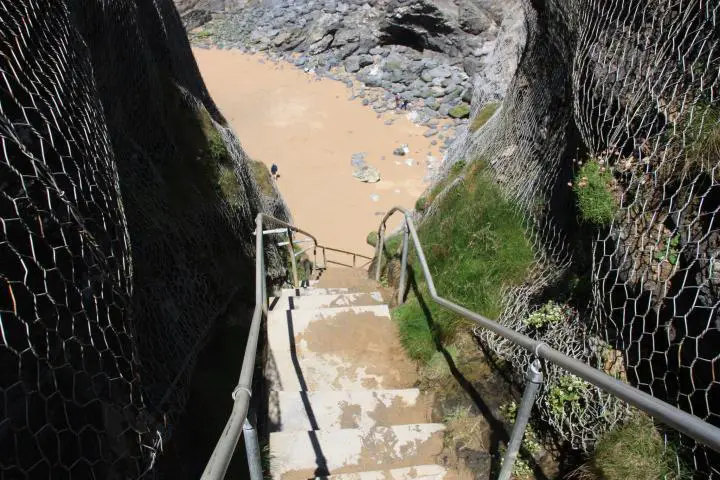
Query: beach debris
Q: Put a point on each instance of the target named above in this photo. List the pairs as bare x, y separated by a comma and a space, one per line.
374, 197
367, 174
409, 162
401, 150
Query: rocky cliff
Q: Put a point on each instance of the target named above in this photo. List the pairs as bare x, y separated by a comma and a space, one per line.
425, 52
127, 209
607, 142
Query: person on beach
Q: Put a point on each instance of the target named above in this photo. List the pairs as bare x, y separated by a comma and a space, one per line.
273, 171
398, 102
405, 104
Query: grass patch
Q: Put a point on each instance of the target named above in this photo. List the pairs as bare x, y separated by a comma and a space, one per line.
476, 246
703, 132
460, 111
262, 177
593, 189
229, 185
636, 451
485, 113
372, 238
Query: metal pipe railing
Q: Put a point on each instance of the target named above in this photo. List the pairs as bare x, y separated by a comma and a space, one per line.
237, 424
680, 420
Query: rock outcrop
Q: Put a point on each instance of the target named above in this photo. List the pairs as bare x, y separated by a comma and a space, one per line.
425, 52
126, 210
610, 88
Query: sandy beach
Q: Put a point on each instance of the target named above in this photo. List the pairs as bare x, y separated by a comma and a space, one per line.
310, 128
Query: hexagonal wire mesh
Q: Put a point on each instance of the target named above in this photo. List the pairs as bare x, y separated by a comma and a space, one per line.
104, 303
622, 95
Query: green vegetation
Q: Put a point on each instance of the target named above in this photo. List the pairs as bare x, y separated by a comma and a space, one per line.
548, 314
485, 113
476, 247
703, 146
262, 177
636, 451
229, 185
668, 249
421, 204
461, 110
372, 238
593, 188
566, 393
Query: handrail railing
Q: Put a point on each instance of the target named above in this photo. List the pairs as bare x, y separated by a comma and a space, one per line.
680, 420
237, 423
216, 468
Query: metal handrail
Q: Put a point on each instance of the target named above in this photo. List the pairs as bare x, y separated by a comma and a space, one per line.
680, 420
237, 423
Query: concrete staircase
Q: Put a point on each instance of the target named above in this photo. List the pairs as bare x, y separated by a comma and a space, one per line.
342, 402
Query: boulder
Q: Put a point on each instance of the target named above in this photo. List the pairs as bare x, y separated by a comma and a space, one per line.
352, 64
367, 174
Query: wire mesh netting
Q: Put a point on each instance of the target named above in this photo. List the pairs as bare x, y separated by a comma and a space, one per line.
609, 143
126, 220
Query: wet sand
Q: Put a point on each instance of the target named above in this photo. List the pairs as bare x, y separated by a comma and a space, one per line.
310, 129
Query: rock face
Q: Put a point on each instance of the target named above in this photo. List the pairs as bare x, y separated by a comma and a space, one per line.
589, 91
127, 210
415, 49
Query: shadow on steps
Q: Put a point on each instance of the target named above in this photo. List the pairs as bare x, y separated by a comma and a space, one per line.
499, 435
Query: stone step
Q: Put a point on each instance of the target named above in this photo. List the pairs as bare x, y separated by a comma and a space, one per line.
332, 410
301, 292
306, 302
419, 472
303, 455
345, 348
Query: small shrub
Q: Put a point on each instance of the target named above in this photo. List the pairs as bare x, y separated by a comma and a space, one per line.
372, 239
548, 314
703, 132
460, 111
593, 189
669, 250
421, 204
485, 113
637, 451
566, 393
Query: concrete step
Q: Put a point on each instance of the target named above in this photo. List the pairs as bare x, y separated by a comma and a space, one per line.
328, 410
419, 472
306, 302
303, 455
345, 348
301, 292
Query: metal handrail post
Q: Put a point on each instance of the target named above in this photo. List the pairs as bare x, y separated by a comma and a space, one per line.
534, 379
252, 449
403, 264
380, 243
291, 251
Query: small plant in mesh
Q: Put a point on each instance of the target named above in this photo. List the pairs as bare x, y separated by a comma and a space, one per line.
593, 189
548, 314
566, 394
521, 468
668, 250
